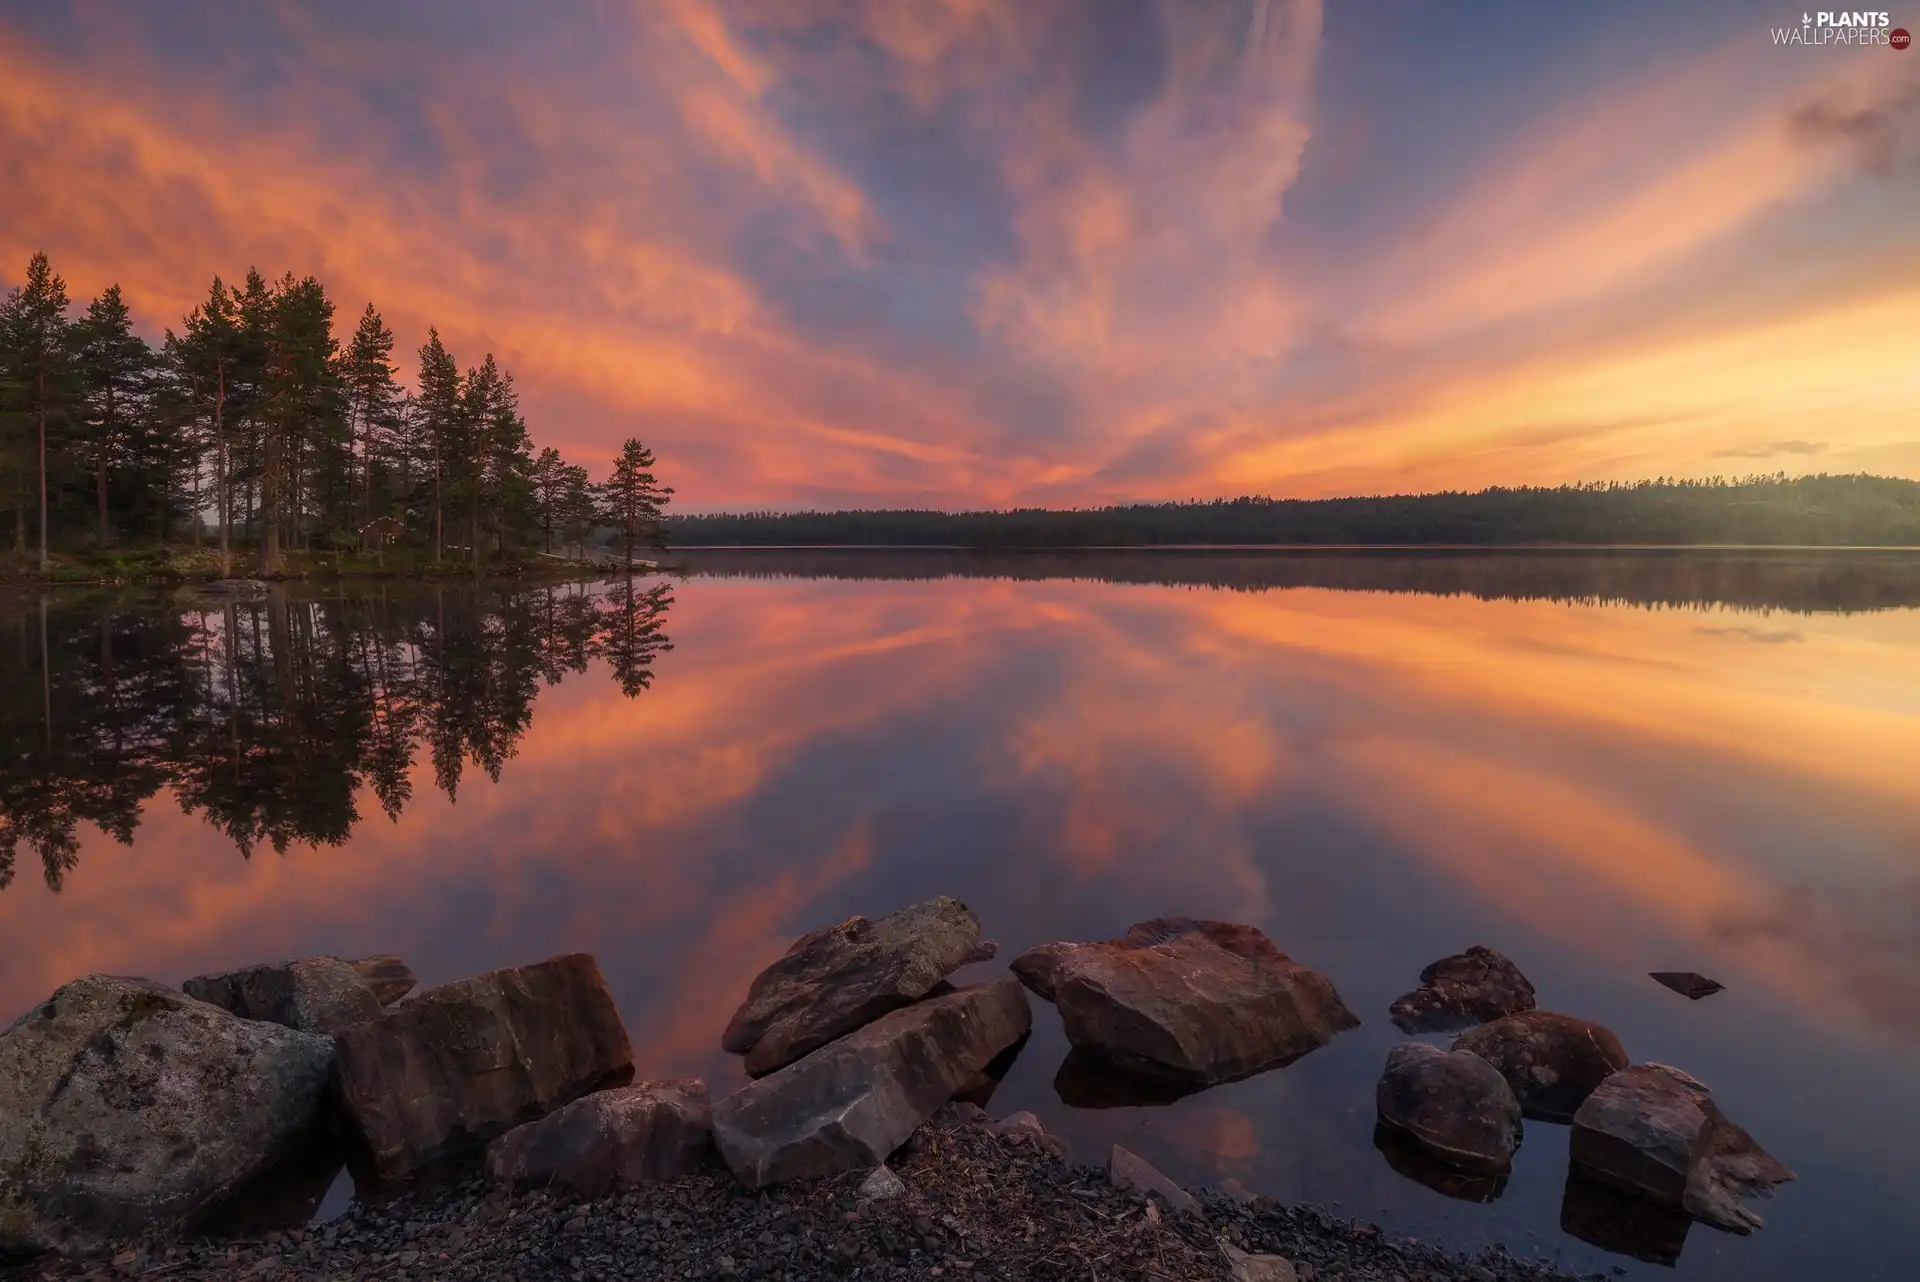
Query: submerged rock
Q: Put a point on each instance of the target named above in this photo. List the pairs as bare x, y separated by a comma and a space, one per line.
1408, 1158
127, 1107
623, 1137
1660, 1137
1687, 983
1128, 1170
1454, 1104
849, 1104
1552, 1061
443, 1072
312, 994
1186, 1002
1463, 990
833, 981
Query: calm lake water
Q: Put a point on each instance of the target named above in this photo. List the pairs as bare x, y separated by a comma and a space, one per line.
1602, 764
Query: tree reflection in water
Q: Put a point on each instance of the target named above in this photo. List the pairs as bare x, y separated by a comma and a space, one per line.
266, 716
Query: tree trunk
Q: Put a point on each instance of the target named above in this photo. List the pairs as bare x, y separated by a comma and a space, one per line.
222, 480
100, 464
43, 471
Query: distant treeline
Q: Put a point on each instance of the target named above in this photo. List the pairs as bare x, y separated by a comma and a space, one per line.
1815, 511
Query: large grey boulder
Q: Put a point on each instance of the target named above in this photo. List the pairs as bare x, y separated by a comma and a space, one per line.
852, 1102
1453, 1104
312, 994
1659, 1135
1186, 1002
447, 1070
127, 1107
1552, 1061
631, 1135
1463, 990
833, 981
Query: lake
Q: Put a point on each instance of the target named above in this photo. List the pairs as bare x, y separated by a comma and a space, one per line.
1602, 764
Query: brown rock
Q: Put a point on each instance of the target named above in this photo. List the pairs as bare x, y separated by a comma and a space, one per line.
1619, 1222
312, 994
1453, 1104
833, 981
1245, 1267
1128, 1170
1463, 990
388, 977
1661, 1138
630, 1135
1552, 1061
849, 1104
1191, 1003
1687, 983
1412, 1160
446, 1071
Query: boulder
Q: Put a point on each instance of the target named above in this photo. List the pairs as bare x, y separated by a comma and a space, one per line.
631, 1135
1408, 1158
1552, 1061
1454, 1104
1661, 1137
1190, 1003
849, 1104
1128, 1170
388, 977
312, 994
127, 1107
445, 1071
1687, 983
1245, 1267
835, 980
1463, 990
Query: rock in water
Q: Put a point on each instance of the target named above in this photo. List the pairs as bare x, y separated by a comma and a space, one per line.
1661, 1137
1454, 1104
388, 977
1191, 1003
1128, 1170
1552, 1062
447, 1070
852, 1102
1622, 1223
1463, 990
835, 980
1687, 983
643, 1134
128, 1107
313, 994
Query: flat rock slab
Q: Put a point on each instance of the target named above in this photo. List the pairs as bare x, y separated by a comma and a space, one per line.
1552, 1061
1463, 990
1661, 1137
1687, 983
849, 1104
312, 994
1453, 1104
835, 980
1128, 1170
619, 1138
1187, 1002
447, 1070
128, 1107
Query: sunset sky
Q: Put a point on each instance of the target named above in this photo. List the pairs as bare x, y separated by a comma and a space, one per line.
998, 252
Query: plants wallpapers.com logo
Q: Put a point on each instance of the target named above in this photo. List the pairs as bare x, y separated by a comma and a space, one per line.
1844, 29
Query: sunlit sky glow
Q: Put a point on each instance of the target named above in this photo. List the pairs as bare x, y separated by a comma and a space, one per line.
996, 252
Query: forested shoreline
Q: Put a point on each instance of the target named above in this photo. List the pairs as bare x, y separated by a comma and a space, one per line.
1809, 511
254, 432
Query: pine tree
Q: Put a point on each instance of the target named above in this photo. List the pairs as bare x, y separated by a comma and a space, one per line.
210, 351
302, 428
38, 352
634, 500
373, 400
437, 422
116, 373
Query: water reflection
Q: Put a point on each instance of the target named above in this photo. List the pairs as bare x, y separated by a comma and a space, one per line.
268, 717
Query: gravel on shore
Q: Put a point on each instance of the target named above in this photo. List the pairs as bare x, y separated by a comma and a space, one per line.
977, 1206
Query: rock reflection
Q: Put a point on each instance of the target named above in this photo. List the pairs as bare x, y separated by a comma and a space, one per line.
266, 716
1415, 1163
1614, 1221
1085, 1082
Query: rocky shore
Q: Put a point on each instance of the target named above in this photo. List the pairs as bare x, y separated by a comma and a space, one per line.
974, 1201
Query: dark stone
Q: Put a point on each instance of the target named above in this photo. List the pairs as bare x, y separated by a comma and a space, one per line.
1552, 1061
1409, 1158
833, 981
127, 1107
978, 1090
442, 1073
388, 977
849, 1104
1687, 983
312, 994
624, 1137
1659, 1136
1453, 1104
1615, 1221
1463, 990
1128, 1170
1191, 1003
